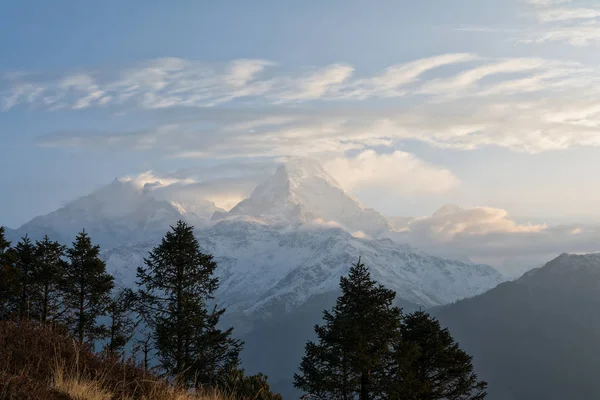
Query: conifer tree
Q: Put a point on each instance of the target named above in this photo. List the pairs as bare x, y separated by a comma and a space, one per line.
86, 290
144, 344
123, 323
238, 385
48, 276
430, 365
176, 287
353, 352
4, 243
9, 278
25, 264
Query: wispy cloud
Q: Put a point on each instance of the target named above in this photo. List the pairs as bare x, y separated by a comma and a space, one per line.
547, 2
567, 14
171, 82
576, 36
571, 22
525, 104
168, 83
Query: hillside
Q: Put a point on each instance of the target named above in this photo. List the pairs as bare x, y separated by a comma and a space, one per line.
536, 338
39, 363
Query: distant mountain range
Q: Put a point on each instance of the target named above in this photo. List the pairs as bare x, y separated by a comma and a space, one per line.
293, 238
280, 252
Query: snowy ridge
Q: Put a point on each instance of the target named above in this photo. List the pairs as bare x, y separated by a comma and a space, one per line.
261, 266
120, 212
290, 240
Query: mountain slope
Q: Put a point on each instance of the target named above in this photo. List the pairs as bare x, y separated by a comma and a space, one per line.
300, 191
120, 212
275, 283
280, 253
537, 337
262, 267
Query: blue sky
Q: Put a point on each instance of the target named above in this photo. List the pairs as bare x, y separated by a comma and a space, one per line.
476, 102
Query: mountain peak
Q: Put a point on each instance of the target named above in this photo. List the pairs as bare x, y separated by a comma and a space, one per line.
298, 169
565, 265
301, 191
122, 211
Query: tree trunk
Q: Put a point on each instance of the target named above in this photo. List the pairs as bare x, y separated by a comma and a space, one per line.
345, 387
81, 306
45, 303
364, 386
23, 303
179, 331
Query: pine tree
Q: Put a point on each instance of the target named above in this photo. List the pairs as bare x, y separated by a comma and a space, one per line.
237, 385
25, 263
86, 290
176, 287
123, 322
353, 353
4, 243
9, 278
48, 276
431, 366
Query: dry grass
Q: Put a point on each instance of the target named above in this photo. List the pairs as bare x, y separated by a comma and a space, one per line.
38, 363
78, 387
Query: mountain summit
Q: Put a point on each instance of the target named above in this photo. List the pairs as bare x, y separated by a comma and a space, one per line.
118, 213
301, 191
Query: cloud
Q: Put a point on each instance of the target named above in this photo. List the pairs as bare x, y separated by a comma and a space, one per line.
580, 36
174, 82
451, 222
224, 184
564, 21
567, 14
547, 2
468, 79
392, 81
490, 235
524, 104
314, 86
398, 173
193, 194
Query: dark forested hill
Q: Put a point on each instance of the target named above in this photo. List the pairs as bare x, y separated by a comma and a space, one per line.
537, 338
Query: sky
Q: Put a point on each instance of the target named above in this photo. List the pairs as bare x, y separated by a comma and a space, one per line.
408, 104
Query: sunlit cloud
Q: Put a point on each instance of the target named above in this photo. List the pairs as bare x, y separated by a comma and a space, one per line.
398, 173
173, 82
524, 104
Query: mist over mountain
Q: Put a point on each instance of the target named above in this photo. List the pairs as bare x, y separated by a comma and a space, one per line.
537, 337
280, 252
124, 211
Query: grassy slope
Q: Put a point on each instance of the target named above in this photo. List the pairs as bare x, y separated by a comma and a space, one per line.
37, 363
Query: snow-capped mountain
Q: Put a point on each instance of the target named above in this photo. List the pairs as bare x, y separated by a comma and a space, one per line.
301, 191
120, 212
263, 268
290, 240
280, 252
